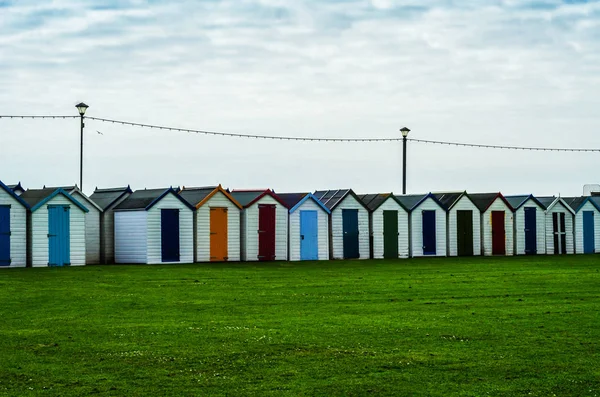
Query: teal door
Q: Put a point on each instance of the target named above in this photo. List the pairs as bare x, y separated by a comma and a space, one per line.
59, 236
350, 229
4, 235
589, 243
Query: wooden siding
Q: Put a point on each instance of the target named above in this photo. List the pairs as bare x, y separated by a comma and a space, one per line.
464, 204
486, 228
250, 230
416, 223
519, 231
203, 228
130, 236
39, 233
323, 230
107, 230
337, 231
92, 230
579, 228
559, 207
18, 230
377, 229
186, 230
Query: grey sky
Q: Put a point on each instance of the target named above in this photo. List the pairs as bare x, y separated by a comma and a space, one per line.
509, 72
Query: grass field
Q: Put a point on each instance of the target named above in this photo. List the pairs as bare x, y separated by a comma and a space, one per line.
492, 326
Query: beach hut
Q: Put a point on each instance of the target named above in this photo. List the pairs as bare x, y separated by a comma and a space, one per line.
496, 223
388, 224
463, 221
216, 224
92, 223
587, 223
349, 224
154, 226
56, 228
17, 189
559, 226
427, 223
264, 225
13, 228
529, 225
107, 200
308, 227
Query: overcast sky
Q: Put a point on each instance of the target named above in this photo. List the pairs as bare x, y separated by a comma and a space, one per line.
498, 72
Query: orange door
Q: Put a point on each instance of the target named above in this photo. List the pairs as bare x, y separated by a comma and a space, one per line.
218, 234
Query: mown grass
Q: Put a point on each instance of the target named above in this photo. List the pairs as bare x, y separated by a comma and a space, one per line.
486, 326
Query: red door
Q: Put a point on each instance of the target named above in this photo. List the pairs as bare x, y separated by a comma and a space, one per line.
266, 232
498, 234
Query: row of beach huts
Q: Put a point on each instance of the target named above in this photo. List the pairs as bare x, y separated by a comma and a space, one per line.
60, 226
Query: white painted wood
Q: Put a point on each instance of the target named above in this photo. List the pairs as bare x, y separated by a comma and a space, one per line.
250, 231
107, 219
337, 228
92, 229
569, 219
519, 225
463, 204
377, 228
416, 223
186, 230
18, 230
486, 227
39, 233
219, 200
579, 228
322, 225
130, 236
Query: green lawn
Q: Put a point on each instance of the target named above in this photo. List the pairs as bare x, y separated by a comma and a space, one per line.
515, 326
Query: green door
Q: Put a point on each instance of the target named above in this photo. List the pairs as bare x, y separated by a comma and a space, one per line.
390, 234
464, 232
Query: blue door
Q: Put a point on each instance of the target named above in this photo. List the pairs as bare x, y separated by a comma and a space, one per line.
4, 235
169, 235
350, 229
429, 239
530, 231
589, 245
59, 236
309, 236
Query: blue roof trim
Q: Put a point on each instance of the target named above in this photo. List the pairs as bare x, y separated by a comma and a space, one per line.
310, 196
14, 195
588, 199
531, 197
56, 193
170, 190
432, 196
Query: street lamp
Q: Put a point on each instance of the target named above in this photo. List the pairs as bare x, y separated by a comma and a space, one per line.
404, 132
82, 107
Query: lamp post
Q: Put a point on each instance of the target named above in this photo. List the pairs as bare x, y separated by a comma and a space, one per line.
82, 107
404, 132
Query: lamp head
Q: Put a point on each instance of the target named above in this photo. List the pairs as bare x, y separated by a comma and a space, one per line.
404, 131
82, 107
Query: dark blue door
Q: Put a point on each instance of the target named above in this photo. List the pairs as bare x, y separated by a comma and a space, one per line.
429, 232
589, 245
4, 235
530, 231
59, 236
169, 235
350, 229
309, 236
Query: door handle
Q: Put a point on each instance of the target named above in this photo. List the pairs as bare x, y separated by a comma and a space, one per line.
302, 237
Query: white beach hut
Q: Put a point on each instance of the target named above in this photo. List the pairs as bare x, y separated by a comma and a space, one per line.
529, 225
496, 223
559, 226
464, 225
427, 222
587, 223
13, 228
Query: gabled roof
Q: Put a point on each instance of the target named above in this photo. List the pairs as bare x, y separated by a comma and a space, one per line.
374, 201
147, 198
449, 199
483, 201
35, 198
550, 201
107, 197
75, 189
198, 196
295, 200
518, 201
577, 203
248, 197
333, 198
16, 187
412, 201
12, 193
